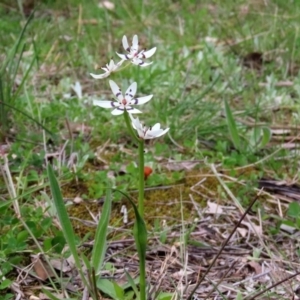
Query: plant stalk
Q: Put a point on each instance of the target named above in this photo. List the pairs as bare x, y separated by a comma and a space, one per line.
141, 179
141, 245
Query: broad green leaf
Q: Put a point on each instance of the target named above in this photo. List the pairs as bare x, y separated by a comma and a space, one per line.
63, 217
294, 210
110, 288
5, 284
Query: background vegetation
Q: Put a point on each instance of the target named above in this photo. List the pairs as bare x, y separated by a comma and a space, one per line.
225, 79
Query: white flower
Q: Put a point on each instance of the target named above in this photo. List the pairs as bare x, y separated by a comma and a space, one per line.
109, 68
77, 89
134, 55
147, 133
123, 102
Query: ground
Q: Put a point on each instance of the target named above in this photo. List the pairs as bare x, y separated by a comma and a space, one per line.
222, 202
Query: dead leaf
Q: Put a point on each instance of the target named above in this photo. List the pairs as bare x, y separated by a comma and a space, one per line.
242, 231
62, 266
256, 266
181, 165
181, 274
214, 208
280, 131
41, 268
253, 228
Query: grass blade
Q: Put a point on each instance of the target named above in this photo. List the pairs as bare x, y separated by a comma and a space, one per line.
64, 220
63, 215
232, 127
100, 238
131, 282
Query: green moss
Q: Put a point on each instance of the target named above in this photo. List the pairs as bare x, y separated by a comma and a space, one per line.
168, 203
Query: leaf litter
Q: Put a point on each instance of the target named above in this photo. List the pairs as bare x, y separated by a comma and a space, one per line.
251, 260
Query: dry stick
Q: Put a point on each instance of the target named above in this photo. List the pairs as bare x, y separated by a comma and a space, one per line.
274, 285
223, 246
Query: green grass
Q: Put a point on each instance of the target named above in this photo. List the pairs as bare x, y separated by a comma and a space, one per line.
203, 60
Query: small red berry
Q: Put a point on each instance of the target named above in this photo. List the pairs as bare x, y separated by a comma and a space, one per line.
147, 172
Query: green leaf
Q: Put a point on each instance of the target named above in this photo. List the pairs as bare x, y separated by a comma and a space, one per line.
63, 217
5, 284
8, 297
52, 297
86, 262
22, 236
132, 282
49, 294
164, 296
266, 137
140, 237
99, 248
110, 288
232, 127
139, 232
58, 243
239, 296
294, 210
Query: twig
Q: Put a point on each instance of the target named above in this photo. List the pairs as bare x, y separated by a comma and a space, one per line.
273, 285
223, 247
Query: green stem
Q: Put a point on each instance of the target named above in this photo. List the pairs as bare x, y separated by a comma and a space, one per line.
129, 126
124, 66
142, 264
141, 163
143, 281
141, 178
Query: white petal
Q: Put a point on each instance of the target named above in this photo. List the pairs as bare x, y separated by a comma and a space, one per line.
130, 92
117, 112
148, 53
105, 103
106, 68
119, 63
155, 127
137, 125
116, 90
140, 100
140, 62
125, 43
162, 132
77, 89
132, 110
146, 64
151, 134
111, 65
100, 76
135, 43
124, 56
